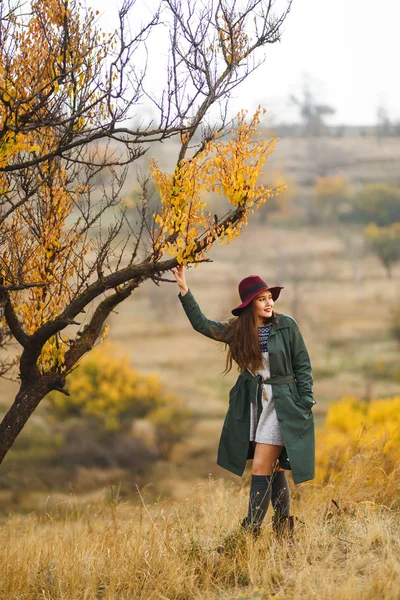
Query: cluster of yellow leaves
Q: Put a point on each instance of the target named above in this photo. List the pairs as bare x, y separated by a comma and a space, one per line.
233, 40
42, 248
107, 390
40, 69
351, 425
53, 353
230, 168
12, 145
43, 71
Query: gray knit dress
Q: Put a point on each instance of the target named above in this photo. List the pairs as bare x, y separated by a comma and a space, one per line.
265, 429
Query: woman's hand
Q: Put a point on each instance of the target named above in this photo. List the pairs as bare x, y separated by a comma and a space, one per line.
179, 274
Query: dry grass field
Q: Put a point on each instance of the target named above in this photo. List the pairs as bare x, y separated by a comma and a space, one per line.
109, 550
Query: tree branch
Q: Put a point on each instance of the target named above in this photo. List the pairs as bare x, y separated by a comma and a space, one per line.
13, 322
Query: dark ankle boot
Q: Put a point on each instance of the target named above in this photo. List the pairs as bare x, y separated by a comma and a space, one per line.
283, 527
236, 539
252, 528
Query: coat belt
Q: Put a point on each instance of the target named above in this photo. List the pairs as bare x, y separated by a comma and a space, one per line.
282, 380
279, 380
255, 391
255, 383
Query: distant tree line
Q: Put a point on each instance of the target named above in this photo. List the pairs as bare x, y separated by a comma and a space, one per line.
313, 116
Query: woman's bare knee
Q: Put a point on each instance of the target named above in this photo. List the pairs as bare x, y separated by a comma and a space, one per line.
262, 467
265, 457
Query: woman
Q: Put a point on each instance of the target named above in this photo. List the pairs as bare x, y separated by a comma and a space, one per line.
269, 417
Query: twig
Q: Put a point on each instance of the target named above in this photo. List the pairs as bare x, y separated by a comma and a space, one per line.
152, 521
348, 541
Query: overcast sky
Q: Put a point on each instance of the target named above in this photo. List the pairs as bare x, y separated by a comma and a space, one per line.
347, 50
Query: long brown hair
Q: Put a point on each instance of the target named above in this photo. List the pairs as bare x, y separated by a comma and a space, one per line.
241, 339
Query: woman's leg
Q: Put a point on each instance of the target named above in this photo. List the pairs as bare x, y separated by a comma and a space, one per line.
280, 498
265, 457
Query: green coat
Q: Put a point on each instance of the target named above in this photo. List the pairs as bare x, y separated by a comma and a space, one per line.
292, 381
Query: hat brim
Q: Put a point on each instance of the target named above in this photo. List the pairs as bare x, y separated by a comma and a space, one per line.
275, 291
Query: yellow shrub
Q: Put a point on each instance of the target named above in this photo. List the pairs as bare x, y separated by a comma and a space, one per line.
354, 428
105, 389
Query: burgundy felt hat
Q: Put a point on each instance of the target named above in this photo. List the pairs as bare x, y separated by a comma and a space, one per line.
252, 286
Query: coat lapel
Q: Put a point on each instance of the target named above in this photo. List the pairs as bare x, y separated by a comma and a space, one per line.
278, 325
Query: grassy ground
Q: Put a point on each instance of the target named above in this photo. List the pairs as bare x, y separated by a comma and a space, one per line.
108, 550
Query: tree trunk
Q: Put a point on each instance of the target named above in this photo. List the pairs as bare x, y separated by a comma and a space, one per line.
24, 404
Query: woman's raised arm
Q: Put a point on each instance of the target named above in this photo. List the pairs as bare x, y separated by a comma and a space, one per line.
197, 319
179, 274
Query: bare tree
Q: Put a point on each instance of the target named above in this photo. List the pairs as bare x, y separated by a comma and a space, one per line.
311, 112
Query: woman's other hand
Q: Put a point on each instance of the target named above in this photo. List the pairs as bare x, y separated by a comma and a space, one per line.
179, 274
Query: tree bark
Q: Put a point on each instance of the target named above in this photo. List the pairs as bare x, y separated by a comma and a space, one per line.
24, 404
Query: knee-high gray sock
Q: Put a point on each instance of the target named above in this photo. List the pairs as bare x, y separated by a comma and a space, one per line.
260, 496
280, 495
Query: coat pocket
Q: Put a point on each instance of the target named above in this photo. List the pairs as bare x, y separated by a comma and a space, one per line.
307, 402
303, 402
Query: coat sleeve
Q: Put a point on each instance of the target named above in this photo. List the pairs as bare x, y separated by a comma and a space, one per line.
197, 319
301, 367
